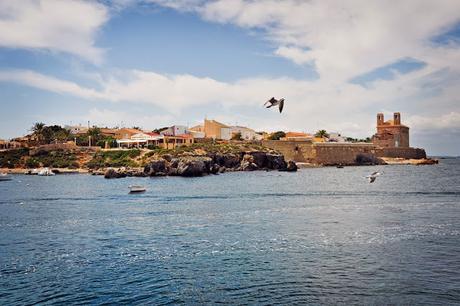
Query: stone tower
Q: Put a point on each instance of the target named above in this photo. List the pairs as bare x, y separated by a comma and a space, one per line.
391, 133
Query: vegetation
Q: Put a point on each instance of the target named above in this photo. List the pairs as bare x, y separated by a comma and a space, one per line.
277, 135
13, 158
118, 158
322, 134
55, 159
350, 139
237, 136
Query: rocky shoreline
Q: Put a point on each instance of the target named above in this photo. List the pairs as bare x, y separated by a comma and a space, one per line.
193, 166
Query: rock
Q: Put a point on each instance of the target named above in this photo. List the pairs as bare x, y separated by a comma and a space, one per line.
247, 165
259, 158
276, 161
194, 166
227, 160
112, 173
156, 168
222, 169
215, 169
291, 166
367, 159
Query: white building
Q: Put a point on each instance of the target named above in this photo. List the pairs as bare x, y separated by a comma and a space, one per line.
175, 130
336, 137
246, 133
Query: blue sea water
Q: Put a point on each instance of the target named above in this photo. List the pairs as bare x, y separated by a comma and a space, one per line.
318, 236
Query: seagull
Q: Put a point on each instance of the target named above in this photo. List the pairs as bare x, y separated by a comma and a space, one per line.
373, 176
274, 102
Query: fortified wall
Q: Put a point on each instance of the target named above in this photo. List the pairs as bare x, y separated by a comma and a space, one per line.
307, 151
330, 153
407, 153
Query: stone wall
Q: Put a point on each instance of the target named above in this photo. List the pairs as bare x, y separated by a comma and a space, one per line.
341, 153
330, 153
298, 151
408, 153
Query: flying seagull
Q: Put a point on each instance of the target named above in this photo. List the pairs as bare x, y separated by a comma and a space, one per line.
274, 102
373, 176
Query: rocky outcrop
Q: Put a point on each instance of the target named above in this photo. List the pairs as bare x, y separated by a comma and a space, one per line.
291, 166
192, 165
112, 173
156, 168
367, 159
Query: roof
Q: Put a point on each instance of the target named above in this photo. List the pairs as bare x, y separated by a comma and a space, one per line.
129, 130
216, 122
391, 123
298, 134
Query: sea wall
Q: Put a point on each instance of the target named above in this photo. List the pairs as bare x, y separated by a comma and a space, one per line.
341, 153
321, 153
407, 153
298, 151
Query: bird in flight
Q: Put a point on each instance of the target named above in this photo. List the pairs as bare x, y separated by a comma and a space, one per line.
373, 176
274, 102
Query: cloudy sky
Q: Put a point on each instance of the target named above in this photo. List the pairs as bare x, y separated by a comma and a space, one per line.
152, 63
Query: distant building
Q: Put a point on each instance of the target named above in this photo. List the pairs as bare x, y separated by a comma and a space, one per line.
297, 136
123, 133
246, 133
391, 133
217, 130
76, 129
175, 130
336, 137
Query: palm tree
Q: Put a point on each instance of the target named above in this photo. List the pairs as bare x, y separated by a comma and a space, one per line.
37, 129
322, 134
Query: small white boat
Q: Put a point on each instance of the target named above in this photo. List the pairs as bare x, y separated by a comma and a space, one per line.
45, 172
136, 189
5, 177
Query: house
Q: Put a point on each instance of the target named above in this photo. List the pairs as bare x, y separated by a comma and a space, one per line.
6, 144
175, 130
123, 133
145, 139
336, 137
246, 133
297, 136
76, 129
216, 130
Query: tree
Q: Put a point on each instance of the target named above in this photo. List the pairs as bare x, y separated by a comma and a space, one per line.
322, 134
95, 134
37, 129
237, 136
277, 135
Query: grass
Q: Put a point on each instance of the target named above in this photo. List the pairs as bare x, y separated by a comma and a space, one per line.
117, 158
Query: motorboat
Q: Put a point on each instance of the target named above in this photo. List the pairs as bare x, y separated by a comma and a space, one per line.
5, 177
136, 189
45, 172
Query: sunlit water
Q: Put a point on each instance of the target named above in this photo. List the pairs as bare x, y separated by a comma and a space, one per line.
320, 236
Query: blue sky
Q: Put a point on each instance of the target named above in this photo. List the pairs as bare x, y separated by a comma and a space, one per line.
154, 63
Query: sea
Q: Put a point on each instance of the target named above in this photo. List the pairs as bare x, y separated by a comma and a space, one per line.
317, 236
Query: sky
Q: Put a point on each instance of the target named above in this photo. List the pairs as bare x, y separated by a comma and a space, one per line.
155, 63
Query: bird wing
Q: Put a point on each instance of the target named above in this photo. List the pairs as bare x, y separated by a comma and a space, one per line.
281, 105
372, 179
375, 173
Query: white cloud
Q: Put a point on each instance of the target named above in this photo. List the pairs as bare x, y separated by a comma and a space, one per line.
345, 38
449, 121
60, 26
297, 55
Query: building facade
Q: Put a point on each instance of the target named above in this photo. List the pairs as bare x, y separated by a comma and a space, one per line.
391, 133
